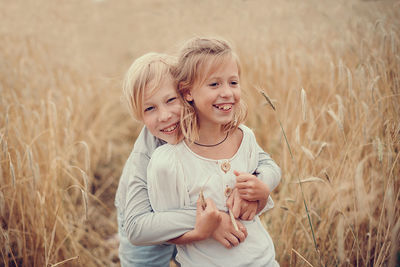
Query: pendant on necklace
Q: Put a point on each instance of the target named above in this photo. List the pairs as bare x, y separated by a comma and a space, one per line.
226, 166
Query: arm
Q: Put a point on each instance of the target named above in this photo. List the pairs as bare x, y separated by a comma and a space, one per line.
207, 220
269, 176
167, 190
267, 170
225, 233
252, 196
142, 226
145, 227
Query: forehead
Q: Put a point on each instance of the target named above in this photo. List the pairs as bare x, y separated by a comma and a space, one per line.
214, 64
164, 85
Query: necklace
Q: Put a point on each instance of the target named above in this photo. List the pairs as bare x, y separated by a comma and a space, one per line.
213, 144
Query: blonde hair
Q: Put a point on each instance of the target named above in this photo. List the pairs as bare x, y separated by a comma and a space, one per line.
198, 59
146, 73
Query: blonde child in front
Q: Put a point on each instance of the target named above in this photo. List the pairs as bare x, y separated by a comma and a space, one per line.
216, 156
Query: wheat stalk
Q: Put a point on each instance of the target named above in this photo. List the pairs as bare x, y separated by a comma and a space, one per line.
297, 171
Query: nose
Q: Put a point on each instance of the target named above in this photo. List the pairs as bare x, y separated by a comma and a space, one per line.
226, 91
164, 114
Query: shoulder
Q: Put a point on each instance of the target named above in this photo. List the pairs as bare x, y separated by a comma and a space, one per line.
164, 157
247, 132
243, 135
249, 147
249, 139
164, 150
146, 143
142, 151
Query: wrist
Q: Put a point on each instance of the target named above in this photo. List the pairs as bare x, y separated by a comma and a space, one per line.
197, 235
261, 204
188, 237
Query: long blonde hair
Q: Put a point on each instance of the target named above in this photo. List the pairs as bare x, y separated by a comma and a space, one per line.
197, 60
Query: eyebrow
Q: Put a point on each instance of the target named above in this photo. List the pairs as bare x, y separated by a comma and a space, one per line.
169, 95
219, 77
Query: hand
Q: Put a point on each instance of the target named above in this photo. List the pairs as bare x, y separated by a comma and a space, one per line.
226, 233
242, 209
250, 187
207, 219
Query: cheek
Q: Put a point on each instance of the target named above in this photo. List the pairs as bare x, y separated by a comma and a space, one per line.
238, 94
177, 108
150, 122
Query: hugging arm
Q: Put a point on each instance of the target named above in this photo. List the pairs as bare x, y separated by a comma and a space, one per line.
143, 226
140, 223
207, 220
167, 190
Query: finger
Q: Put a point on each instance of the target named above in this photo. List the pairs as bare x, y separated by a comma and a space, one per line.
242, 228
241, 178
243, 191
240, 235
247, 197
232, 239
210, 204
243, 217
246, 215
236, 207
229, 202
226, 243
242, 185
252, 215
235, 172
246, 194
199, 206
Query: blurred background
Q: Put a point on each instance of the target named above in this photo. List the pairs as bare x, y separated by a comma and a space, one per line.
330, 68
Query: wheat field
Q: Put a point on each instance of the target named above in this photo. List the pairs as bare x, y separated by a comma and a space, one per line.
329, 68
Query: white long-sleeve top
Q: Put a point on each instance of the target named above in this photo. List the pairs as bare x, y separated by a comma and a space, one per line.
140, 224
175, 177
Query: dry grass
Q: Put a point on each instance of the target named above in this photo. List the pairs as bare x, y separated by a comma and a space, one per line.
331, 70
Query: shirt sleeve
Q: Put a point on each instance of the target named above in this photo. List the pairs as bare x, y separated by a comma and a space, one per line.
141, 225
268, 171
165, 181
270, 204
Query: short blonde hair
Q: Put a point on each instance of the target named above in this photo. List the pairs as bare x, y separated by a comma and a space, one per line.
198, 59
146, 73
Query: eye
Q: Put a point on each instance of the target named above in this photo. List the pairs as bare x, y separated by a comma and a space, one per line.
215, 84
148, 109
234, 83
172, 99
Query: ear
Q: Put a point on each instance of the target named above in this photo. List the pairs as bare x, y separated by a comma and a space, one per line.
188, 96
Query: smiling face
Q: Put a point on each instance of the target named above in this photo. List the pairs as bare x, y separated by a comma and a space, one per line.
217, 97
162, 109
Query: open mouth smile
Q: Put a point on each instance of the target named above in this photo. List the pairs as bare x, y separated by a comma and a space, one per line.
223, 107
170, 129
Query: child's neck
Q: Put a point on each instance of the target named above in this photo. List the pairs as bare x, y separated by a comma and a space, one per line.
216, 144
211, 135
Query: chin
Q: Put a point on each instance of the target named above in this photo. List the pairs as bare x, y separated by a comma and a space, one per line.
170, 139
173, 142
223, 122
